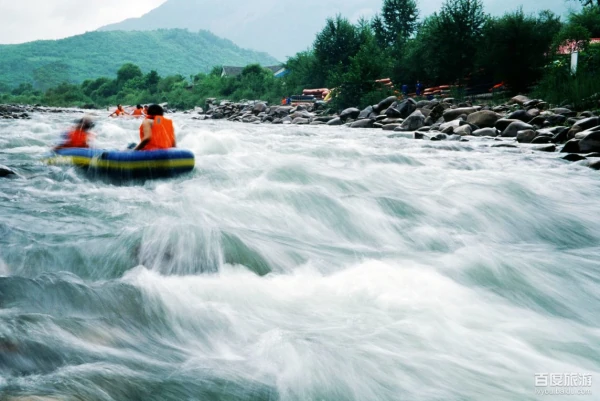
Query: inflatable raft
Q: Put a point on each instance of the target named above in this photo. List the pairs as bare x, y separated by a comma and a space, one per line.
125, 165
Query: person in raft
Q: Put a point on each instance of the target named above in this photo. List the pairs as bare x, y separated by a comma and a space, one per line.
79, 136
156, 132
138, 112
146, 110
119, 111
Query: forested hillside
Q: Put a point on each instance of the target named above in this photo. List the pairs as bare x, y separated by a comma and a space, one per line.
48, 63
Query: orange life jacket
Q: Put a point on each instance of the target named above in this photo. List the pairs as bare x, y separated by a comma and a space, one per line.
137, 112
118, 112
76, 139
163, 134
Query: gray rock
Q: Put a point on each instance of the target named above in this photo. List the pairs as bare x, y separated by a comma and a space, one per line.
324, 119
277, 121
588, 123
413, 122
385, 103
366, 123
259, 108
317, 123
392, 121
483, 118
542, 139
573, 157
391, 127
503, 123
463, 130
439, 137
351, 112
590, 143
377, 125
452, 114
407, 107
521, 115
6, 172
564, 112
520, 99
595, 165
555, 119
286, 120
393, 112
526, 136
586, 114
366, 113
486, 132
593, 154
571, 146
513, 129
504, 145
335, 121
300, 121
548, 148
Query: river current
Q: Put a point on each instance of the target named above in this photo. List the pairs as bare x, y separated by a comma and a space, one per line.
297, 263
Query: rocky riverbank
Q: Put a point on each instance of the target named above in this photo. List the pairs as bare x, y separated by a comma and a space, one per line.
16, 112
519, 121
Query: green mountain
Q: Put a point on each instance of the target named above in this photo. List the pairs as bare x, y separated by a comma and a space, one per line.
168, 51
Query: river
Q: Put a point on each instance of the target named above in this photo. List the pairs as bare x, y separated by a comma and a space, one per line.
297, 263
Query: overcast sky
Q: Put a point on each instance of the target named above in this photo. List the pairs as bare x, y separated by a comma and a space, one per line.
27, 20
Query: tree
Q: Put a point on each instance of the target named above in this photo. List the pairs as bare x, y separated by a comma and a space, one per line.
152, 79
335, 45
590, 3
128, 71
357, 85
453, 39
589, 18
516, 47
398, 21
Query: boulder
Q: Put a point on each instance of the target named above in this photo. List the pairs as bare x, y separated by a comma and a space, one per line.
407, 107
439, 137
463, 130
366, 123
286, 120
548, 148
259, 108
513, 129
391, 127
6, 172
571, 146
504, 145
486, 132
591, 143
385, 103
503, 123
413, 122
564, 112
324, 119
520, 99
300, 121
542, 139
351, 112
586, 114
317, 123
560, 135
377, 125
335, 121
555, 119
366, 113
521, 115
587, 123
277, 121
526, 136
593, 154
483, 118
452, 114
392, 121
595, 165
574, 157
393, 112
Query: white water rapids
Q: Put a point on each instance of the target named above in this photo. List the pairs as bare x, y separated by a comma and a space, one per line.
297, 263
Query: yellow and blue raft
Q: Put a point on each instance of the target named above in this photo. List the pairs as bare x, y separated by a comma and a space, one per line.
119, 164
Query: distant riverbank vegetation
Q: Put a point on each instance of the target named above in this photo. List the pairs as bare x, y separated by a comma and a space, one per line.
460, 45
